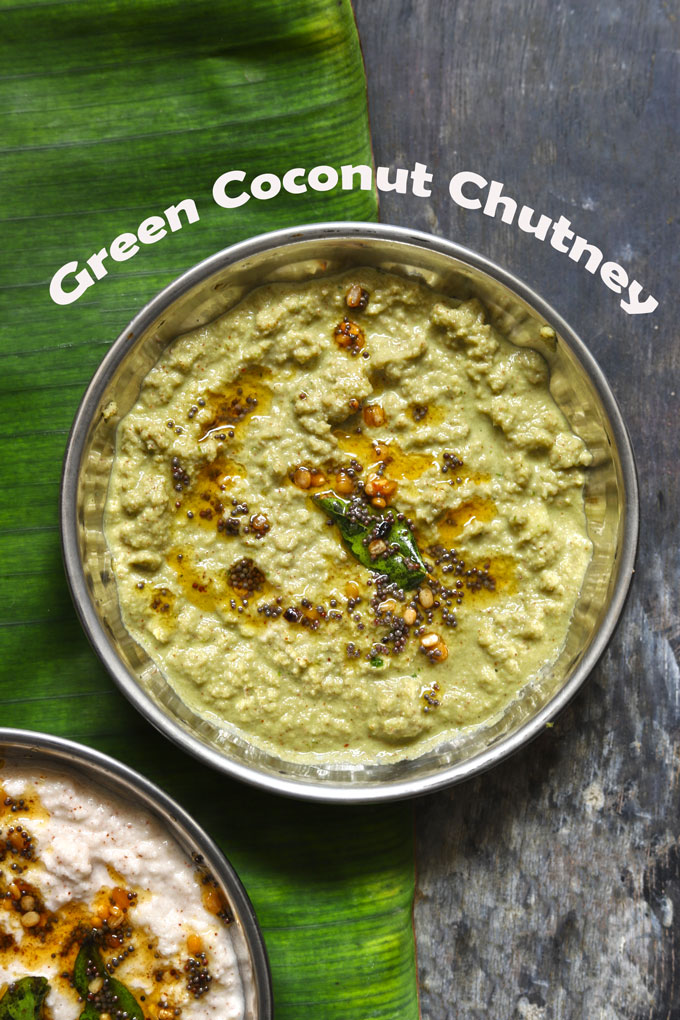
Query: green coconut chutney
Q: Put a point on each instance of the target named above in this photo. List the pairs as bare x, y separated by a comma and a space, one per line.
408, 406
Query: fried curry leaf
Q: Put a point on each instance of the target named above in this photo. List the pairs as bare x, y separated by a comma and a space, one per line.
24, 999
401, 561
89, 961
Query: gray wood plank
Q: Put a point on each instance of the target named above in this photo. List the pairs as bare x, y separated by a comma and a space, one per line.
549, 889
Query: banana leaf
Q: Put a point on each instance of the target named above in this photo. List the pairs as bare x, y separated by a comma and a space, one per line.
109, 113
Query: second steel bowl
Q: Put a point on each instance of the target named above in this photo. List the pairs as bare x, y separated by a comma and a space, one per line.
28, 750
211, 288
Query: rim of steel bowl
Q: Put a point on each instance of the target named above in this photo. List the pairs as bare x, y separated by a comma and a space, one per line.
303, 786
114, 777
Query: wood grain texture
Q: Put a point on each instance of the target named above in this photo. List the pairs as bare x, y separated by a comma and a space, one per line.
549, 889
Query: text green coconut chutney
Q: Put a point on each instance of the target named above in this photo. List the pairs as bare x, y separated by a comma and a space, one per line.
346, 518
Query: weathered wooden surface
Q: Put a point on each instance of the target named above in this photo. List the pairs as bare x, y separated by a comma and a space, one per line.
549, 889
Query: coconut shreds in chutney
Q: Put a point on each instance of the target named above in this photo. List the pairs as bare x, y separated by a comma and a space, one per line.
409, 406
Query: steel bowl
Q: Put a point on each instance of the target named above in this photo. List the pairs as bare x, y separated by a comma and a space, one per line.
212, 287
28, 749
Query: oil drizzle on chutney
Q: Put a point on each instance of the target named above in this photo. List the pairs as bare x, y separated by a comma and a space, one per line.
246, 395
454, 520
207, 494
371, 452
